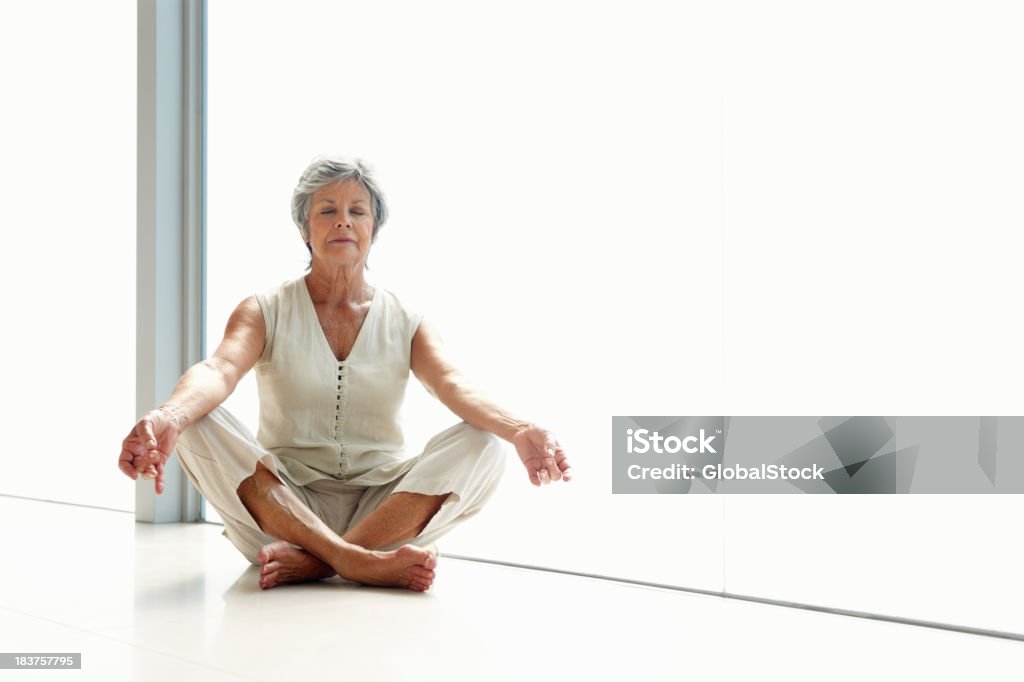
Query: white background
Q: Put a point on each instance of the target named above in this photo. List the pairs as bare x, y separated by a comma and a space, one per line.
67, 265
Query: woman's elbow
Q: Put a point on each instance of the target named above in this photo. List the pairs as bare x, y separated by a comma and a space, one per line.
224, 375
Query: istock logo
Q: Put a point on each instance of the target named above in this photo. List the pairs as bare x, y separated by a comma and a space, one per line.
642, 441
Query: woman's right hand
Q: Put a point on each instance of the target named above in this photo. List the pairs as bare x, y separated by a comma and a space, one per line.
205, 385
146, 449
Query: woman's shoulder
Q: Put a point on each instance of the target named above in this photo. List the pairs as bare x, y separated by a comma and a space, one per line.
283, 294
288, 287
404, 301
403, 309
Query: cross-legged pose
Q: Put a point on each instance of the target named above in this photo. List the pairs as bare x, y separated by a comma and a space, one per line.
325, 487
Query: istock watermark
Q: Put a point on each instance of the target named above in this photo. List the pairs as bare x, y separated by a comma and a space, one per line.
820, 455
642, 441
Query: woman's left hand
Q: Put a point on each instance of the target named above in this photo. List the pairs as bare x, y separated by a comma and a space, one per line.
542, 456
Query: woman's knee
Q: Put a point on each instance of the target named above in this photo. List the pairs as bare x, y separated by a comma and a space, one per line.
212, 435
488, 450
192, 442
472, 438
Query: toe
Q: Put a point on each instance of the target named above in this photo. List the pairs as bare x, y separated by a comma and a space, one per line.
423, 573
415, 555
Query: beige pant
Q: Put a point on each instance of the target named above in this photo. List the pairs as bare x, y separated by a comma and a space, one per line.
218, 452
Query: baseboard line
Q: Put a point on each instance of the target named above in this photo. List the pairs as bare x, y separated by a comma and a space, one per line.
68, 504
1000, 634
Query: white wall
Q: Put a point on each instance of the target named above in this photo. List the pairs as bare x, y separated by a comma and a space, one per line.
872, 156
67, 266
719, 208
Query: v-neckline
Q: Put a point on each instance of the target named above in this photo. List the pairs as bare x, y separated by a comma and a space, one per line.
320, 328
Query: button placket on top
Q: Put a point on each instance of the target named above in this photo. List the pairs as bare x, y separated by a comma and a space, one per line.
340, 405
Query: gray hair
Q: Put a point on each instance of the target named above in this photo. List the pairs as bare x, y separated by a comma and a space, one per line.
327, 170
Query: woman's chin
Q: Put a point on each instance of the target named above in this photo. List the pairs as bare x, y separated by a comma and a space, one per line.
340, 261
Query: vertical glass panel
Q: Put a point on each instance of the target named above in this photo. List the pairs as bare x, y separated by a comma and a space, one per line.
68, 261
553, 174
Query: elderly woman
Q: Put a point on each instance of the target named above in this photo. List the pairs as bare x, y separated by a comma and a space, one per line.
325, 487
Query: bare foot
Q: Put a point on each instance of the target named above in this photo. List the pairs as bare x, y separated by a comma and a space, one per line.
280, 563
408, 566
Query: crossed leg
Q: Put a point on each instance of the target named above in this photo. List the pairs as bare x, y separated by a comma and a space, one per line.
353, 556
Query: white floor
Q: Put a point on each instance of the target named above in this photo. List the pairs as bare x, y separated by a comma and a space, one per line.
173, 602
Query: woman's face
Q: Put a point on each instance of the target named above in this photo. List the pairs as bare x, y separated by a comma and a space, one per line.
341, 223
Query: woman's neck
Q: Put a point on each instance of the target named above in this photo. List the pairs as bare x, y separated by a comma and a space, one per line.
338, 286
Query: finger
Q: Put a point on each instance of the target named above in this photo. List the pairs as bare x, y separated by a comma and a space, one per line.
159, 477
542, 439
567, 473
543, 477
553, 470
147, 432
549, 472
146, 459
152, 457
152, 472
534, 476
563, 464
144, 463
125, 465
133, 444
550, 451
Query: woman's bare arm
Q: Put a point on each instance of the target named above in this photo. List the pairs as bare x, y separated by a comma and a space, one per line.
446, 383
538, 449
207, 384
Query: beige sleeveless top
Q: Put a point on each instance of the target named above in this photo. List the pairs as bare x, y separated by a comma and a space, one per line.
325, 418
